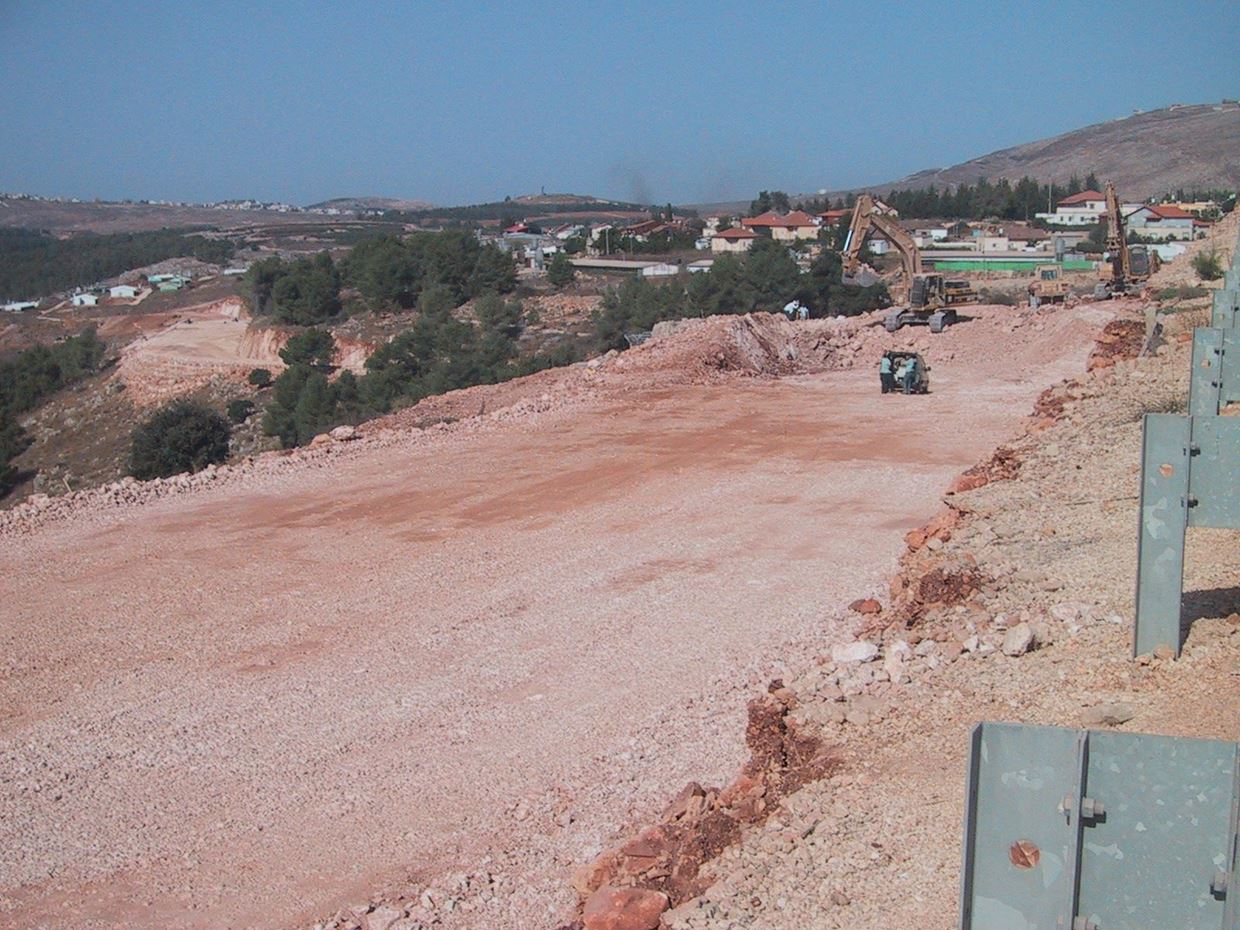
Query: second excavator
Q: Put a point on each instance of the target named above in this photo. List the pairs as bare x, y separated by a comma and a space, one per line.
925, 296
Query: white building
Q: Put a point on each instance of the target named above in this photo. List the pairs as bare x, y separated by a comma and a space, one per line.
1164, 222
1083, 209
19, 306
84, 300
736, 239
660, 270
124, 291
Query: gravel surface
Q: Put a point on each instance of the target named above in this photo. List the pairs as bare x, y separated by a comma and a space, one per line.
455, 661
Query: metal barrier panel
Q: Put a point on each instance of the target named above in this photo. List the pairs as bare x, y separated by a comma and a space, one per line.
1214, 473
1165, 442
1151, 859
1205, 386
1226, 310
1099, 830
1019, 851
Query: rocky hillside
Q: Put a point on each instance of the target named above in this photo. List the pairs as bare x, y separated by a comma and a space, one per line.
1144, 154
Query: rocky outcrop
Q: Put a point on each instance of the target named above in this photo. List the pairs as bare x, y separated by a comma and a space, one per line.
664, 862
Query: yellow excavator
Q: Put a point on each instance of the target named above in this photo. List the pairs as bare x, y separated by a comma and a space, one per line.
925, 297
1128, 267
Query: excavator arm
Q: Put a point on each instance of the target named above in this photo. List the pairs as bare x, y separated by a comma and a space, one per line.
869, 216
1117, 243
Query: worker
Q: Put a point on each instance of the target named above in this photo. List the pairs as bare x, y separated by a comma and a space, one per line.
885, 377
902, 375
908, 375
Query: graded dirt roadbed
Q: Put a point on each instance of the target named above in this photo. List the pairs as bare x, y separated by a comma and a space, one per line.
244, 706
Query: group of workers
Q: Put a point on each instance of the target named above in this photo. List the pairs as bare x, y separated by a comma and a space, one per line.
903, 378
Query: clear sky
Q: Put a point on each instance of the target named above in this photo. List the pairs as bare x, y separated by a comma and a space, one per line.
465, 102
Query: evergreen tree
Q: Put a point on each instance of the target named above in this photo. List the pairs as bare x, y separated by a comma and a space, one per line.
560, 271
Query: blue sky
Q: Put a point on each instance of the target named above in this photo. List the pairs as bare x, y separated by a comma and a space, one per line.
466, 102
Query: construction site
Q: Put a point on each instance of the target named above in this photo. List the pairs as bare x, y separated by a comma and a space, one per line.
689, 636
450, 479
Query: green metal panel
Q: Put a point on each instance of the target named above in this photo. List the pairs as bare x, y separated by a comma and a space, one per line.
1103, 830
1226, 308
1165, 442
1020, 852
1214, 476
1205, 386
1149, 862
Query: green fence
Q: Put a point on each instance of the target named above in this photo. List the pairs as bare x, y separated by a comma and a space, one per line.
982, 264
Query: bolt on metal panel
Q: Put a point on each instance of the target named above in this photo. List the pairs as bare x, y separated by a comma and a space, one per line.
1163, 510
1098, 830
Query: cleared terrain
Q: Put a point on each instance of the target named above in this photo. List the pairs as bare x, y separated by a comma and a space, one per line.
245, 704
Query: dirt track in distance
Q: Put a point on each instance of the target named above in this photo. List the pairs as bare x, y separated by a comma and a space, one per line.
244, 706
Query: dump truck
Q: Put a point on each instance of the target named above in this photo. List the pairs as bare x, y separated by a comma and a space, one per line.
924, 297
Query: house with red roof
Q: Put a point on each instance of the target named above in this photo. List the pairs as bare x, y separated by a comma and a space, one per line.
785, 227
1083, 209
1164, 221
736, 239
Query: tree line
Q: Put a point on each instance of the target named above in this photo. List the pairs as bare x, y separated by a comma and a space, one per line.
34, 263
30, 378
386, 272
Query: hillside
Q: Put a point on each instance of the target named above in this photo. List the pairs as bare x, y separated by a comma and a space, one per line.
371, 203
1144, 154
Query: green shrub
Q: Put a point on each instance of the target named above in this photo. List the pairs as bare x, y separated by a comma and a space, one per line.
239, 410
1208, 265
260, 378
560, 271
182, 436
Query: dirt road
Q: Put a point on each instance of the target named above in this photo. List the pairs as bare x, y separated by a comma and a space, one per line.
244, 706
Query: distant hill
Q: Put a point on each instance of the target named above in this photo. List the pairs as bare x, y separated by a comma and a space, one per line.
1144, 154
371, 203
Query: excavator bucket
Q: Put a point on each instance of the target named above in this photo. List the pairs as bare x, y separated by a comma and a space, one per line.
862, 277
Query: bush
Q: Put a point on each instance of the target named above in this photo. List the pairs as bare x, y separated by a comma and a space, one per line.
239, 410
313, 347
260, 378
560, 271
182, 436
1208, 265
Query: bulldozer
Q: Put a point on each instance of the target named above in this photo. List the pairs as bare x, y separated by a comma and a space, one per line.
924, 297
1048, 286
1128, 266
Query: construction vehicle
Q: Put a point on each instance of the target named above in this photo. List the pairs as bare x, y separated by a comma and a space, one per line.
1048, 286
925, 297
1128, 267
918, 381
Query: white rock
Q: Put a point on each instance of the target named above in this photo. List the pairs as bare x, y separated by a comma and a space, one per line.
1018, 641
859, 651
344, 433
